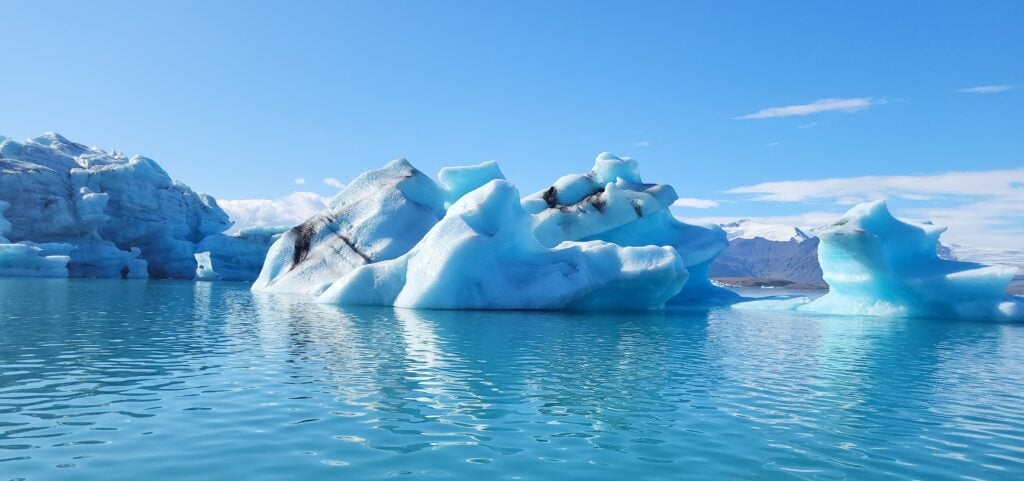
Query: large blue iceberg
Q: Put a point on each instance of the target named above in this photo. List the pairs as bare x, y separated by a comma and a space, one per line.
101, 214
394, 236
877, 265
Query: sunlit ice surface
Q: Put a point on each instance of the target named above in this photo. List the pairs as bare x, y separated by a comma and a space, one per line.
110, 380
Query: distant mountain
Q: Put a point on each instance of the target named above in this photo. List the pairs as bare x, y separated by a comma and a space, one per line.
986, 255
768, 251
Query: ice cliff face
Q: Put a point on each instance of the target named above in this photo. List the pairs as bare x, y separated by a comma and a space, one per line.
25, 260
395, 236
110, 215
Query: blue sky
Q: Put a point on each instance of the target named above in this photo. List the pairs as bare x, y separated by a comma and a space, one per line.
239, 99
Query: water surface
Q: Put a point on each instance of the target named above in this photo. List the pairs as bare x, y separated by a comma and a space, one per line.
149, 380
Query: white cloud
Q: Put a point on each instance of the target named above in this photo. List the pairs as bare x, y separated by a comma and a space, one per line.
808, 125
984, 183
985, 89
694, 203
981, 208
337, 184
642, 143
818, 106
300, 181
289, 210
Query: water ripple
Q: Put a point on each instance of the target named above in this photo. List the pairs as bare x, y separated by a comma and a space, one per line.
173, 380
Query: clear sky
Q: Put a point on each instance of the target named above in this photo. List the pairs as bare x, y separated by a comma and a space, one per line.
241, 99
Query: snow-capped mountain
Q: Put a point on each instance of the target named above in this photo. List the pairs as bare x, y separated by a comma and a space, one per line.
748, 229
989, 255
769, 251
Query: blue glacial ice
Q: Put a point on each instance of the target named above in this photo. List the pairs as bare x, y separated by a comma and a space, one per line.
25, 259
877, 265
110, 215
484, 255
395, 236
236, 257
611, 203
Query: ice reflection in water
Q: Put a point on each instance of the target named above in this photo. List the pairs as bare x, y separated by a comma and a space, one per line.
174, 380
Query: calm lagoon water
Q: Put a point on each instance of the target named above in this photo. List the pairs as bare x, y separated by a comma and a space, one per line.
137, 380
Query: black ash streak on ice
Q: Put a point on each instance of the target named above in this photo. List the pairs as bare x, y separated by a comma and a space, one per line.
304, 234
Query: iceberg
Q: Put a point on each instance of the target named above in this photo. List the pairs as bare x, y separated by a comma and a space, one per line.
878, 265
611, 203
396, 237
111, 215
378, 216
237, 257
484, 255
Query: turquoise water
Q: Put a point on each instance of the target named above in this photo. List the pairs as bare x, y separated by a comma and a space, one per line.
137, 380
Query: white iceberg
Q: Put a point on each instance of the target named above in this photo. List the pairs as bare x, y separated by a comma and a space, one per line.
611, 203
396, 237
877, 265
111, 215
484, 255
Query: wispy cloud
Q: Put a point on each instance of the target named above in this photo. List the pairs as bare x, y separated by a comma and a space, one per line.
331, 181
289, 210
300, 181
985, 89
818, 106
808, 125
981, 208
695, 203
984, 183
642, 143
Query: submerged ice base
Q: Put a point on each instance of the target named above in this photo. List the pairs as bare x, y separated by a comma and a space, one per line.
876, 265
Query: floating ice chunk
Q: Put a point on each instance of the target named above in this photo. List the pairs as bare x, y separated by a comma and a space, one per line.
484, 255
204, 268
378, 216
23, 260
97, 258
876, 265
238, 257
